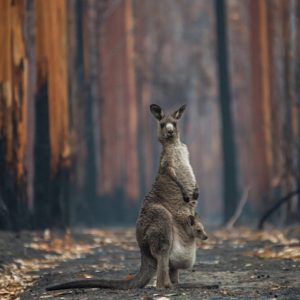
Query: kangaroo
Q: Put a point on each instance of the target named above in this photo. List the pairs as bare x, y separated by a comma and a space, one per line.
195, 228
164, 240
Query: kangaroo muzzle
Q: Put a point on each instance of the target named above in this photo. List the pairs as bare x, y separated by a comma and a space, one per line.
170, 129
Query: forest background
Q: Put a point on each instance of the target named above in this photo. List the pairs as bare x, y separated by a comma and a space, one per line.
78, 145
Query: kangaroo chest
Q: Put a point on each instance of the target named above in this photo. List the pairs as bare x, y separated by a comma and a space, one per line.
182, 164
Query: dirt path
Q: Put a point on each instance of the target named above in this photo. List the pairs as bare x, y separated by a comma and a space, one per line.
245, 265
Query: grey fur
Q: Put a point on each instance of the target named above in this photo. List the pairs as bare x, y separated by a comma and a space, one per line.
195, 228
162, 230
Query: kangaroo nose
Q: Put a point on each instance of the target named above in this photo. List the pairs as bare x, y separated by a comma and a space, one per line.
204, 236
170, 128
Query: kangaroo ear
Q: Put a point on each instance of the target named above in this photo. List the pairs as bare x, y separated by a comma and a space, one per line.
178, 113
157, 111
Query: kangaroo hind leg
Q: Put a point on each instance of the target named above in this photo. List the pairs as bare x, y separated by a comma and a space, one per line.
160, 251
163, 277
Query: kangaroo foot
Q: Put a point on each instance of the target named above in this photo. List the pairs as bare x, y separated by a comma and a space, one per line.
164, 285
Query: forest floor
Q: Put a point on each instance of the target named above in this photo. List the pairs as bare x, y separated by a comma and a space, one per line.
244, 264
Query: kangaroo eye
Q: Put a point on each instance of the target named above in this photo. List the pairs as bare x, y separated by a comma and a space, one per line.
162, 125
174, 124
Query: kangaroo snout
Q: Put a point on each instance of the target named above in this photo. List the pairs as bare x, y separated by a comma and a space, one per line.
170, 129
204, 237
202, 234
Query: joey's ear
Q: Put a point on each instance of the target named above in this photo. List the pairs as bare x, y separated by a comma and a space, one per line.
157, 111
191, 220
178, 113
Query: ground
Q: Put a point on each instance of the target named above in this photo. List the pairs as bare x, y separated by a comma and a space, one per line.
244, 264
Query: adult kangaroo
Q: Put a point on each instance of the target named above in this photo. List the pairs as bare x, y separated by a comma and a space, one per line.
161, 230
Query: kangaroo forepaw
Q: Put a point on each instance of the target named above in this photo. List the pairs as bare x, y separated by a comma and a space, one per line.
196, 194
186, 198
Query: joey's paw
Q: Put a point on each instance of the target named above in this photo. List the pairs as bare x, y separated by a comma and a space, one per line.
196, 194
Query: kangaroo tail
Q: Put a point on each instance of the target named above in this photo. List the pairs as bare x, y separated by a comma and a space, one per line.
147, 271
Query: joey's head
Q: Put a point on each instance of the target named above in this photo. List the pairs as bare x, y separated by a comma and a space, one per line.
196, 227
167, 124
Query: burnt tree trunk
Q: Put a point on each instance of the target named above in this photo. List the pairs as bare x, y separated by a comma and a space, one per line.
229, 152
13, 115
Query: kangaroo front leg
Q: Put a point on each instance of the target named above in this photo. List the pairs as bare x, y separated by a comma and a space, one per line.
172, 174
163, 277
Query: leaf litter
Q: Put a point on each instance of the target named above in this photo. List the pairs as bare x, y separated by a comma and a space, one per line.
21, 273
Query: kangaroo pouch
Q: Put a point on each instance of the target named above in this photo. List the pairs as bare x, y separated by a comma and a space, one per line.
183, 253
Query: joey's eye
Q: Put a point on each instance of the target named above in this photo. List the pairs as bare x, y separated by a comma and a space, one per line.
174, 124
162, 125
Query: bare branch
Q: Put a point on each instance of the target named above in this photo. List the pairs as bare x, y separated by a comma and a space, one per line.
239, 208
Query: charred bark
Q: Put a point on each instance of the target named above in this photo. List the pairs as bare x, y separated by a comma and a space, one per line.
228, 144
